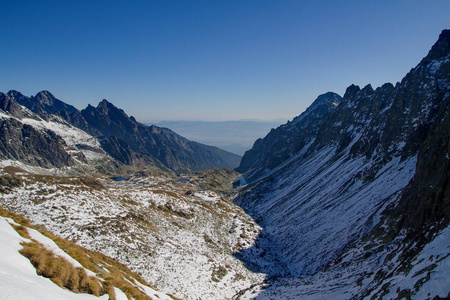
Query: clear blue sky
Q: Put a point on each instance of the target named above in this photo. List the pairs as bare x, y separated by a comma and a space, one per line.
211, 60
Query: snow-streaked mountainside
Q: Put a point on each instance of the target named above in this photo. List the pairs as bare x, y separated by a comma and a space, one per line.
349, 200
288, 139
350, 213
127, 141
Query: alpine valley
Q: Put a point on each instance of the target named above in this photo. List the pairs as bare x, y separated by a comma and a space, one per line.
349, 200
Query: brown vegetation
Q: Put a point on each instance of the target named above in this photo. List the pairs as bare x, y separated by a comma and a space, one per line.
60, 271
110, 273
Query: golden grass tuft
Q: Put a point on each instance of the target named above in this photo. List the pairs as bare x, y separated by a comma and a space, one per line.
64, 274
22, 231
17, 218
60, 271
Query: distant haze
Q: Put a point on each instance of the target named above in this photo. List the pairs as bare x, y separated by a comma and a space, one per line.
233, 136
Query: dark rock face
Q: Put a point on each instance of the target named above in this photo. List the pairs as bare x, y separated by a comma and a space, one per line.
372, 135
122, 137
22, 142
427, 198
162, 144
10, 106
122, 151
281, 143
44, 104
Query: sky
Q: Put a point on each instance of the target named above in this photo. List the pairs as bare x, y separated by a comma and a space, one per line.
211, 60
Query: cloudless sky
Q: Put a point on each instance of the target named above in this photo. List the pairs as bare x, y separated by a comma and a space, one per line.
211, 59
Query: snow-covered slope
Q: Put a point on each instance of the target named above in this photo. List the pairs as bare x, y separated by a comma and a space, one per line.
19, 278
179, 237
374, 182
312, 210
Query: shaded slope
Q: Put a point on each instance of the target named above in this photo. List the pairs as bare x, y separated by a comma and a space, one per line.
171, 149
122, 137
288, 139
373, 183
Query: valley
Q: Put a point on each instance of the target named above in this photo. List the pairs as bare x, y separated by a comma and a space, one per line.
349, 200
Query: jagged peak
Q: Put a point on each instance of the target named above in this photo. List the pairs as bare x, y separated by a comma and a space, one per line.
45, 93
441, 48
351, 91
104, 106
329, 99
367, 90
15, 94
45, 97
104, 102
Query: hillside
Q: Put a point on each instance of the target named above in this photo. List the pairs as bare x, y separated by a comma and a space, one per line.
365, 194
37, 264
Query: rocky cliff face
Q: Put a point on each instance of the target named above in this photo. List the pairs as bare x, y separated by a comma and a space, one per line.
373, 182
119, 136
283, 142
44, 104
162, 144
19, 141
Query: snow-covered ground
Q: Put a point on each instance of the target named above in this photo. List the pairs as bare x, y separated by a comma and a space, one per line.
179, 238
18, 278
316, 208
313, 216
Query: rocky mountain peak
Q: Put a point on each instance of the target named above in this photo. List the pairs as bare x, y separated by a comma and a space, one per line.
8, 105
367, 90
45, 97
441, 48
15, 94
287, 140
172, 150
107, 108
351, 91
104, 106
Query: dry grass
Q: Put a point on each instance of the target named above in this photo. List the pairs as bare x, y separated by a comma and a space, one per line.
17, 218
13, 170
98, 262
209, 208
63, 273
60, 271
22, 231
8, 183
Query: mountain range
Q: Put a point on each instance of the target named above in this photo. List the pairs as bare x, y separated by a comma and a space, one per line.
349, 200
119, 136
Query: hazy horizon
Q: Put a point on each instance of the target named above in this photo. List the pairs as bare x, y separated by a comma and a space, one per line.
233, 136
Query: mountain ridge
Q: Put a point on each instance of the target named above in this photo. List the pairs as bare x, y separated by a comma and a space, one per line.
269, 152
349, 200
372, 183
134, 143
